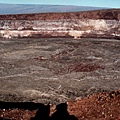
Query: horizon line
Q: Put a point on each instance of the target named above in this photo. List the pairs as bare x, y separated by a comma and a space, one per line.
57, 5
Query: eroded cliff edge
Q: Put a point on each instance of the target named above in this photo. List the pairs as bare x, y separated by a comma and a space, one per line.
98, 24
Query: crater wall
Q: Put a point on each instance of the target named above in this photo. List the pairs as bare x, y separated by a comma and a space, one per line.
102, 24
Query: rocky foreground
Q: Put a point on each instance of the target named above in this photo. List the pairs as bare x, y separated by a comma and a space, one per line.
103, 106
97, 24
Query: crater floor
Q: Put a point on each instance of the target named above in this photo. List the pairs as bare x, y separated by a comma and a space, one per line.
56, 70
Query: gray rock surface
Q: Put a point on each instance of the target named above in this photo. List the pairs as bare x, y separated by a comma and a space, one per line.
55, 70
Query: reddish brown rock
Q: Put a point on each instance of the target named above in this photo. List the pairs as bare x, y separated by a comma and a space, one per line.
102, 106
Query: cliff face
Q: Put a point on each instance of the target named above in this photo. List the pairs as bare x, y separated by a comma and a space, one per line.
103, 24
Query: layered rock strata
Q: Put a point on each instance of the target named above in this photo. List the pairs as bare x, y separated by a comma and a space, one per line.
102, 24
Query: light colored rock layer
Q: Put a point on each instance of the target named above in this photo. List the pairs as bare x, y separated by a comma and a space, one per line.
75, 28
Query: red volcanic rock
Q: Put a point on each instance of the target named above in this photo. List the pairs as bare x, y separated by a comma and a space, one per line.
102, 106
81, 67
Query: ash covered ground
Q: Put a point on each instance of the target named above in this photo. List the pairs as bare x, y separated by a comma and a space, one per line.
56, 70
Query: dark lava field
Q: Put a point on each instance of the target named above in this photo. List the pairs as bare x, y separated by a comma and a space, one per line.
56, 70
